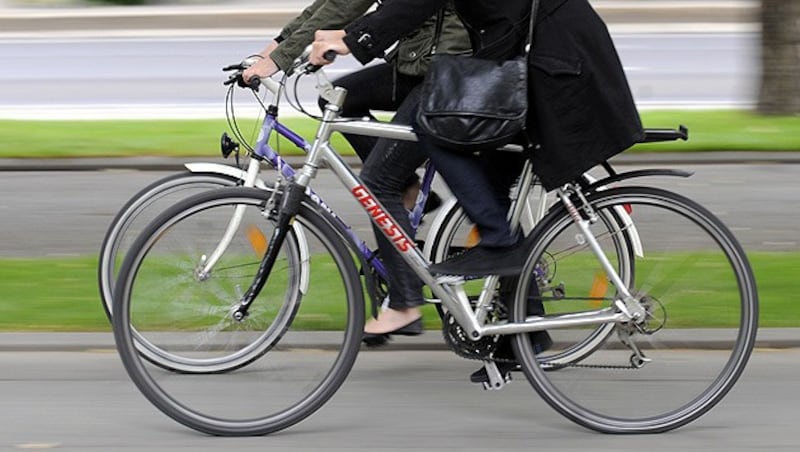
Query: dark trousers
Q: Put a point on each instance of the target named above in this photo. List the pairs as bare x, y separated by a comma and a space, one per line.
379, 87
481, 183
386, 172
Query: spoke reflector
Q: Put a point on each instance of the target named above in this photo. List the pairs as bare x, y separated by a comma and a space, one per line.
599, 288
257, 239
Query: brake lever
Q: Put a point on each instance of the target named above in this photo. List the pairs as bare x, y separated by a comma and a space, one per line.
329, 56
233, 67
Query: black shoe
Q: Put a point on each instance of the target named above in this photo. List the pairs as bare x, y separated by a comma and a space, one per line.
376, 339
541, 343
483, 260
433, 202
481, 376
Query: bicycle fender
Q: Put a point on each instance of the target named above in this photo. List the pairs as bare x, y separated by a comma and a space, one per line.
204, 167
438, 221
600, 184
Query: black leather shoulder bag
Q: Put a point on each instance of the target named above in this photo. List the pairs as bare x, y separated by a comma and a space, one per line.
469, 104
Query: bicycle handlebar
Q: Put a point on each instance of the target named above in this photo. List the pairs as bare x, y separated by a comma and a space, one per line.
301, 63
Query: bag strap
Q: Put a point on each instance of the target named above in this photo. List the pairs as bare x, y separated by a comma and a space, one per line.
437, 34
532, 25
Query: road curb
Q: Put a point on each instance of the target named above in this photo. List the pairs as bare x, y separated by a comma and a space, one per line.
768, 338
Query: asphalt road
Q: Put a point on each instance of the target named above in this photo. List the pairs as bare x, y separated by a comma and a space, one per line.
392, 401
55, 213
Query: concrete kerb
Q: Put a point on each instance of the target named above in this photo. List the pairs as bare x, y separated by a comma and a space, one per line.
768, 338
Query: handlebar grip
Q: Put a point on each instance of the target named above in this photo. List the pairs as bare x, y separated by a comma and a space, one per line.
253, 83
330, 55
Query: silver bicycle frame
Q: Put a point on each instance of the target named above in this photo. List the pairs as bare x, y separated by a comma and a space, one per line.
448, 289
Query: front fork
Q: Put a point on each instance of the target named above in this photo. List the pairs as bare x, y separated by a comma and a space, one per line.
289, 206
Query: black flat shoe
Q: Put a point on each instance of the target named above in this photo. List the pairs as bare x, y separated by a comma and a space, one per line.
541, 343
433, 202
481, 376
483, 260
376, 339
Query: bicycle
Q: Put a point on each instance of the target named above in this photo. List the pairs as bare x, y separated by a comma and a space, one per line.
449, 232
693, 269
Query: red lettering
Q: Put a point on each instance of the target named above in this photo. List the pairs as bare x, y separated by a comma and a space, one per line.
383, 221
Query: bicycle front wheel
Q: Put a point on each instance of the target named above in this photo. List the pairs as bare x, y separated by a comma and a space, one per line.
701, 306
167, 296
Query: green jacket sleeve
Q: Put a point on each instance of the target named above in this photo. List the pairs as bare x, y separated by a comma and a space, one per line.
321, 15
289, 28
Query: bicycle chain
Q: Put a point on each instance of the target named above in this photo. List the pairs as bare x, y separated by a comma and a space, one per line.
592, 366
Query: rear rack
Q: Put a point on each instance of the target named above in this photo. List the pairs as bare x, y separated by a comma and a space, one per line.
654, 135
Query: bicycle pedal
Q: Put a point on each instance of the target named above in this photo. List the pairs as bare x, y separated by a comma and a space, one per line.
497, 381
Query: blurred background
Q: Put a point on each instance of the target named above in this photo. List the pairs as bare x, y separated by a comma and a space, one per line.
677, 53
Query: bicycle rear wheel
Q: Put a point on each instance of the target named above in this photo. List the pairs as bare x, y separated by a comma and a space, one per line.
162, 299
702, 311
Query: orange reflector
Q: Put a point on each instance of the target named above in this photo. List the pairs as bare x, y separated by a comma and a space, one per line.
628, 208
473, 237
599, 288
257, 240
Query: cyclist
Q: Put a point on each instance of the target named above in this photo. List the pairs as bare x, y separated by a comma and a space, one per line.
581, 110
378, 87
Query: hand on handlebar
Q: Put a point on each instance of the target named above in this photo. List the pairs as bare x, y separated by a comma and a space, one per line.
262, 68
249, 71
325, 42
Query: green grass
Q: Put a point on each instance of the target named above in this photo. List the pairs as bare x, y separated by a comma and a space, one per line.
60, 294
709, 130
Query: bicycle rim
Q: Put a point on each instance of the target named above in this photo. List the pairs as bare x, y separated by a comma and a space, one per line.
702, 309
312, 345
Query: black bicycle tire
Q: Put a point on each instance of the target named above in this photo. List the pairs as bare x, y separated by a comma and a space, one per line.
721, 385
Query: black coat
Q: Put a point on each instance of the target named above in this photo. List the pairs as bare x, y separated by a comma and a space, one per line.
581, 110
